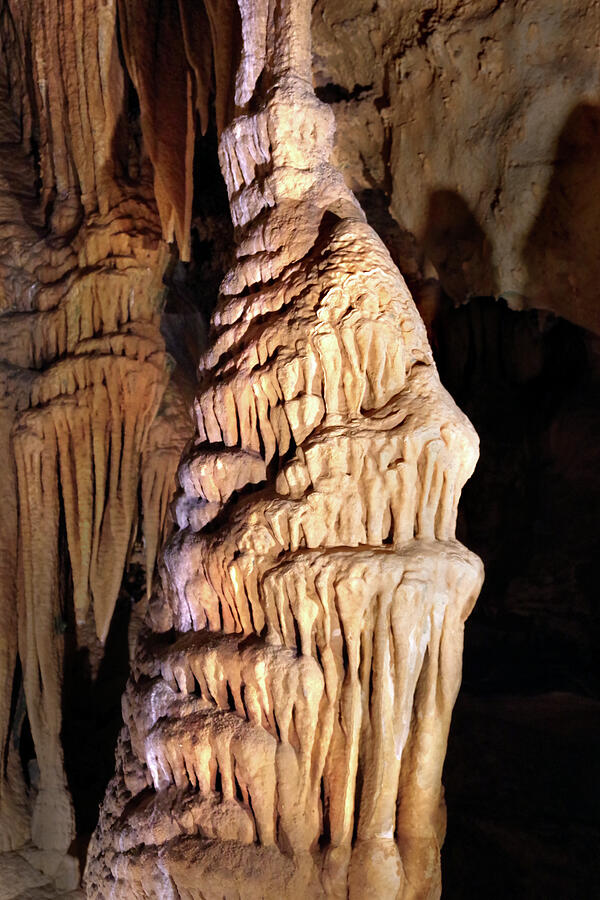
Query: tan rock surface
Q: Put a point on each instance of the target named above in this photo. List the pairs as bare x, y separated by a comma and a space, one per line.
19, 880
484, 118
82, 373
287, 716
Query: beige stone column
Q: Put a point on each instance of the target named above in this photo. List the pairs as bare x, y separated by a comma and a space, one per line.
286, 722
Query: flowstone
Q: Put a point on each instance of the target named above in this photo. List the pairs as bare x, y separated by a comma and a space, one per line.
288, 711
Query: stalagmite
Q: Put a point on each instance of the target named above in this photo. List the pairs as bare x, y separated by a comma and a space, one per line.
287, 715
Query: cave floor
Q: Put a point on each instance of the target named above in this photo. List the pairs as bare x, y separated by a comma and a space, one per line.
20, 881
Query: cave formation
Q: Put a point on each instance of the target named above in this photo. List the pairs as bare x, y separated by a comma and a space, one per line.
231, 470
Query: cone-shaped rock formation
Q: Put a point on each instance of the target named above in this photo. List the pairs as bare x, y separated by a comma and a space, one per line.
287, 716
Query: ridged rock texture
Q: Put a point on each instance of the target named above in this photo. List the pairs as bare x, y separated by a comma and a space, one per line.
287, 715
83, 372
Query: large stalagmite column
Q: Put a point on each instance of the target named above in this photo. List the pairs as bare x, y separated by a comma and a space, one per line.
287, 717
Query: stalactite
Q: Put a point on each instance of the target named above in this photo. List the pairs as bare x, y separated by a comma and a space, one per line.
287, 716
39, 612
14, 813
162, 77
83, 369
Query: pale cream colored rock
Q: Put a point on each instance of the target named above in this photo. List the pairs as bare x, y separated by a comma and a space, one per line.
61, 869
288, 711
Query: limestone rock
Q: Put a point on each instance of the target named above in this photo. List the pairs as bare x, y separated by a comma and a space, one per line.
17, 876
82, 372
488, 123
288, 710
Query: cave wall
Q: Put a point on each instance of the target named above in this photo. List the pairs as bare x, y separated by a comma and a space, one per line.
479, 121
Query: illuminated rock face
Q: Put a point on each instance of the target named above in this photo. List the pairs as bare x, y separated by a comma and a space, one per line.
287, 716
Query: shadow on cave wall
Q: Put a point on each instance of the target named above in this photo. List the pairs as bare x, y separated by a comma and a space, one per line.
561, 251
457, 246
453, 240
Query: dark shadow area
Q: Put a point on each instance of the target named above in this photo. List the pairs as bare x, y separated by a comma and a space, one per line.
522, 776
522, 789
93, 686
336, 93
531, 386
127, 156
193, 287
21, 187
561, 251
458, 247
20, 732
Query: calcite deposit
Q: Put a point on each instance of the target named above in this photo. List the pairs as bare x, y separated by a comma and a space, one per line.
288, 710
286, 717
82, 374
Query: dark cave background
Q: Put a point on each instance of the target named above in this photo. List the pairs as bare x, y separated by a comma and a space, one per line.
521, 774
